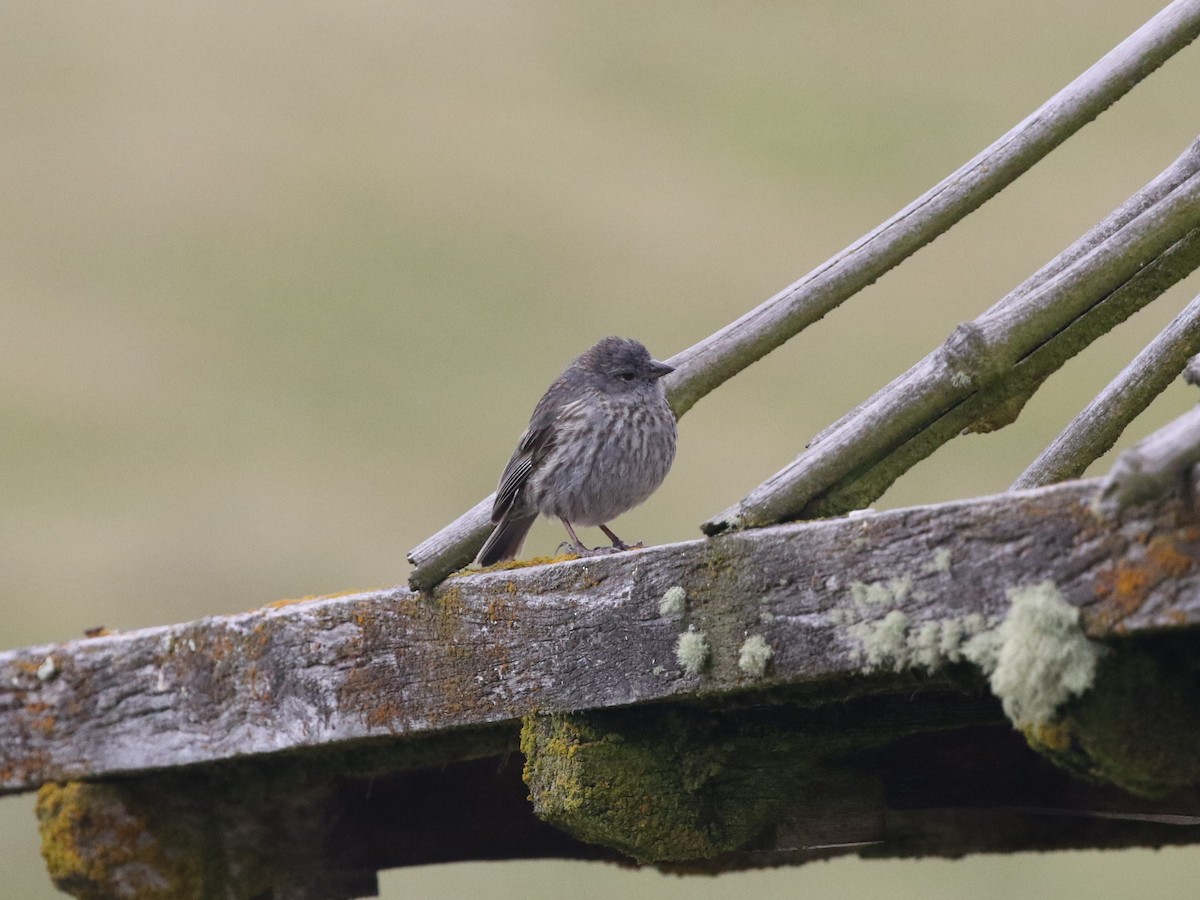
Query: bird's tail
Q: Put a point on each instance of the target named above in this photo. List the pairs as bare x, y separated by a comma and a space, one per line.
505, 542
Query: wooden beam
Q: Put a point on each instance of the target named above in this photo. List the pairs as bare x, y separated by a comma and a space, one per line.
765, 697
586, 634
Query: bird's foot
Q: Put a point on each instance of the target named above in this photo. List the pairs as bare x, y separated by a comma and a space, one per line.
617, 543
570, 548
582, 551
605, 551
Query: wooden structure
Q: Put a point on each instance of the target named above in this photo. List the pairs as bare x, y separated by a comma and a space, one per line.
777, 692
761, 697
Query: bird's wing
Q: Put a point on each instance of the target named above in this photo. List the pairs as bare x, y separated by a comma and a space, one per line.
537, 441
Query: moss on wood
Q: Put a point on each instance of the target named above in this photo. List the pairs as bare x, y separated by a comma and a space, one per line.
664, 785
115, 840
1138, 728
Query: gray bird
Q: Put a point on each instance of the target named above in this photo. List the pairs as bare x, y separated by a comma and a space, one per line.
600, 441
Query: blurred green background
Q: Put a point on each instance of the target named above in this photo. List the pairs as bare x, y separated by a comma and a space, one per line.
283, 281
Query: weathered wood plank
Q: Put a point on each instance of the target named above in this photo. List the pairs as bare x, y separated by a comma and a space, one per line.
585, 634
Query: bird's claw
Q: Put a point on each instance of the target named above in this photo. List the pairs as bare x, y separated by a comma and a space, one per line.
604, 551
582, 551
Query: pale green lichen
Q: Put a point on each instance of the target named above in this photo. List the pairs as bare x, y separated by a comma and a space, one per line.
950, 636
1043, 657
925, 645
883, 640
1036, 659
878, 593
691, 650
929, 645
673, 602
866, 596
959, 635
983, 650
755, 656
941, 561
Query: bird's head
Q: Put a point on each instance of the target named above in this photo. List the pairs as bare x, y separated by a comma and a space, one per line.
622, 365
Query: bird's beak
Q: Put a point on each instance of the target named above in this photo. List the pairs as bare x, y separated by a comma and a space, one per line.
658, 370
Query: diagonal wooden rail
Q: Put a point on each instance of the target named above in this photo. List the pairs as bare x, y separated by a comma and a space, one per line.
708, 364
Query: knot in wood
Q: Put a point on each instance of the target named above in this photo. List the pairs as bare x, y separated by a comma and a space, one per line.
969, 357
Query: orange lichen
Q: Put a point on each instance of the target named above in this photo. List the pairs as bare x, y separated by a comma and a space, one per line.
31, 769
311, 598
1166, 556
44, 725
499, 612
385, 715
1127, 583
1124, 586
1053, 736
508, 564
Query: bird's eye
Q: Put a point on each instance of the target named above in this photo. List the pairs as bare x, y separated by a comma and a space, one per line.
625, 376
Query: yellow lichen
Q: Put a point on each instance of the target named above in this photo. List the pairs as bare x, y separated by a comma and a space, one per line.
1124, 586
101, 842
312, 598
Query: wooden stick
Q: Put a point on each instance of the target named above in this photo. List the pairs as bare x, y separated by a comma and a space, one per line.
708, 364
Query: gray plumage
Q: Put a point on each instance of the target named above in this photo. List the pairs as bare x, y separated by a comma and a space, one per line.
600, 441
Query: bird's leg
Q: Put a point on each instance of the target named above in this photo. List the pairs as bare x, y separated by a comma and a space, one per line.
576, 544
617, 542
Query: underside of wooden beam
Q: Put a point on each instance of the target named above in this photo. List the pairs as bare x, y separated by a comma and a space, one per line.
319, 828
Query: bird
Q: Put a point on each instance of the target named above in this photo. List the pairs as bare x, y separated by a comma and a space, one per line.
600, 441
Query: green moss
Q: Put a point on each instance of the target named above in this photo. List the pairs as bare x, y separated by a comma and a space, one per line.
664, 785
227, 830
510, 564
1138, 728
103, 840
